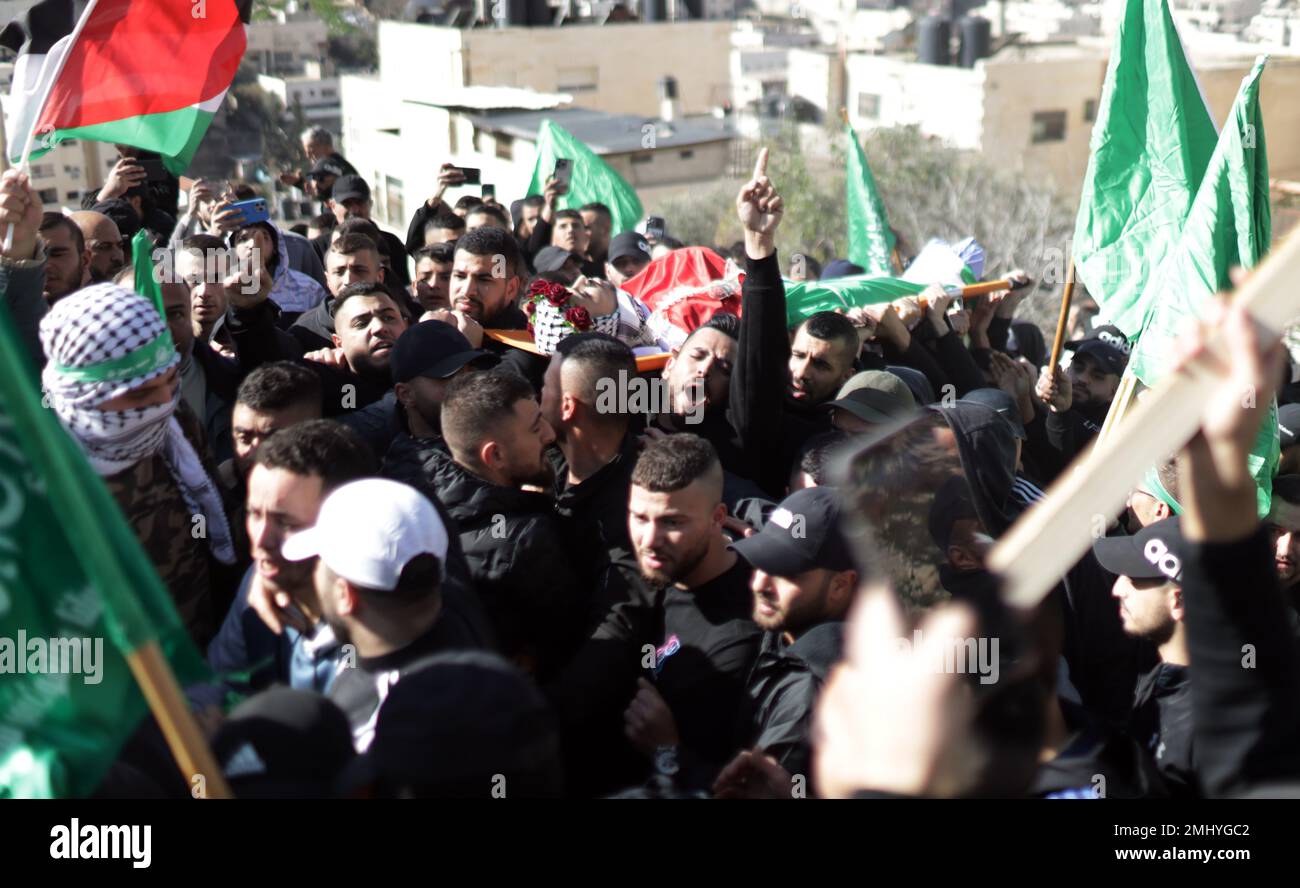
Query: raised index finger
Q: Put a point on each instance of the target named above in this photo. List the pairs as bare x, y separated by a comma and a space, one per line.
760, 165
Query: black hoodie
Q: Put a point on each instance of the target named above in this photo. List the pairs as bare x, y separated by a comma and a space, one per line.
987, 448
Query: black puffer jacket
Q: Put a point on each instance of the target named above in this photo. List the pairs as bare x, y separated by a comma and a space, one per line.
519, 561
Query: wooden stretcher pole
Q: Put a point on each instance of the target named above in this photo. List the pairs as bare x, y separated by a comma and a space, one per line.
1052, 536
189, 747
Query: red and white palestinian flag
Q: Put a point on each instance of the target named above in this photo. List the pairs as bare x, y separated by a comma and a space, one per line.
145, 73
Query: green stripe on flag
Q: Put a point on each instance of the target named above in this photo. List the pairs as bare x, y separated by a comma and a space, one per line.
175, 135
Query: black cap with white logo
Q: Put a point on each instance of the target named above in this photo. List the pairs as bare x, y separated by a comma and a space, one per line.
629, 243
1107, 344
802, 534
1157, 551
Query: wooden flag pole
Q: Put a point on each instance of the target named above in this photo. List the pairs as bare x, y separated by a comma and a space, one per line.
189, 747
1052, 536
1063, 318
1119, 405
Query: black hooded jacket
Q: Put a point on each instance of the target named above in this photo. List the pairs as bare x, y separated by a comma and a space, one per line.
518, 560
987, 449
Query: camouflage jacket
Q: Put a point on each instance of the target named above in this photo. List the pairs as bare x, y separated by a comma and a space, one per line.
152, 503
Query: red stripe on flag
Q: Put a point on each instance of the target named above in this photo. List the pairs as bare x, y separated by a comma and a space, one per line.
145, 57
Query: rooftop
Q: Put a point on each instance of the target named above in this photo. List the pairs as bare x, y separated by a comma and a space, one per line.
608, 133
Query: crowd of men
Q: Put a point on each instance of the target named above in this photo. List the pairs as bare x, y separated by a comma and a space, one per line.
435, 565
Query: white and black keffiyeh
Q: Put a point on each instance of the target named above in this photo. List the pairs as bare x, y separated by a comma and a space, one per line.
100, 343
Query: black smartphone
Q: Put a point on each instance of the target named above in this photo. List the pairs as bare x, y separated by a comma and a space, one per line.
655, 227
153, 168
489, 191
564, 172
472, 175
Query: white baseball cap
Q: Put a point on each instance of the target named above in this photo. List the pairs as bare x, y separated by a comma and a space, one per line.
367, 531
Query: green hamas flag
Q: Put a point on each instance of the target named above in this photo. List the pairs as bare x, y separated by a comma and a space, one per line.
805, 298
870, 240
593, 179
76, 594
1150, 146
1230, 224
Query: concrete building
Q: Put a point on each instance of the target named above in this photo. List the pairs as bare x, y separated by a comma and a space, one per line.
1278, 23
817, 77
614, 68
1032, 107
318, 96
1229, 16
398, 144
286, 45
760, 58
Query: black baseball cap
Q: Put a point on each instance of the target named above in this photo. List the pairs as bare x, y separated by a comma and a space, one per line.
432, 349
284, 743
1107, 344
350, 188
629, 243
452, 723
802, 534
326, 166
1158, 551
553, 258
1003, 403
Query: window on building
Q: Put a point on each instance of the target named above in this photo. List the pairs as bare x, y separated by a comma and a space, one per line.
328, 93
686, 155
72, 196
42, 170
869, 106
505, 146
48, 195
642, 158
582, 79
1048, 126
396, 210
1089, 110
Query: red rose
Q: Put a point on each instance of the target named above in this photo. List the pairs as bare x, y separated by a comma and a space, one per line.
579, 317
529, 308
554, 293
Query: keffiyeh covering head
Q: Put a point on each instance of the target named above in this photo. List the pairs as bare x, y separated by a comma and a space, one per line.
102, 342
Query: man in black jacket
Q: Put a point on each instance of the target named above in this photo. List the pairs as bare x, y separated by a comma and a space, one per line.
693, 612
1079, 399
579, 401
519, 560
1149, 568
804, 581
486, 276
425, 360
367, 324
351, 198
